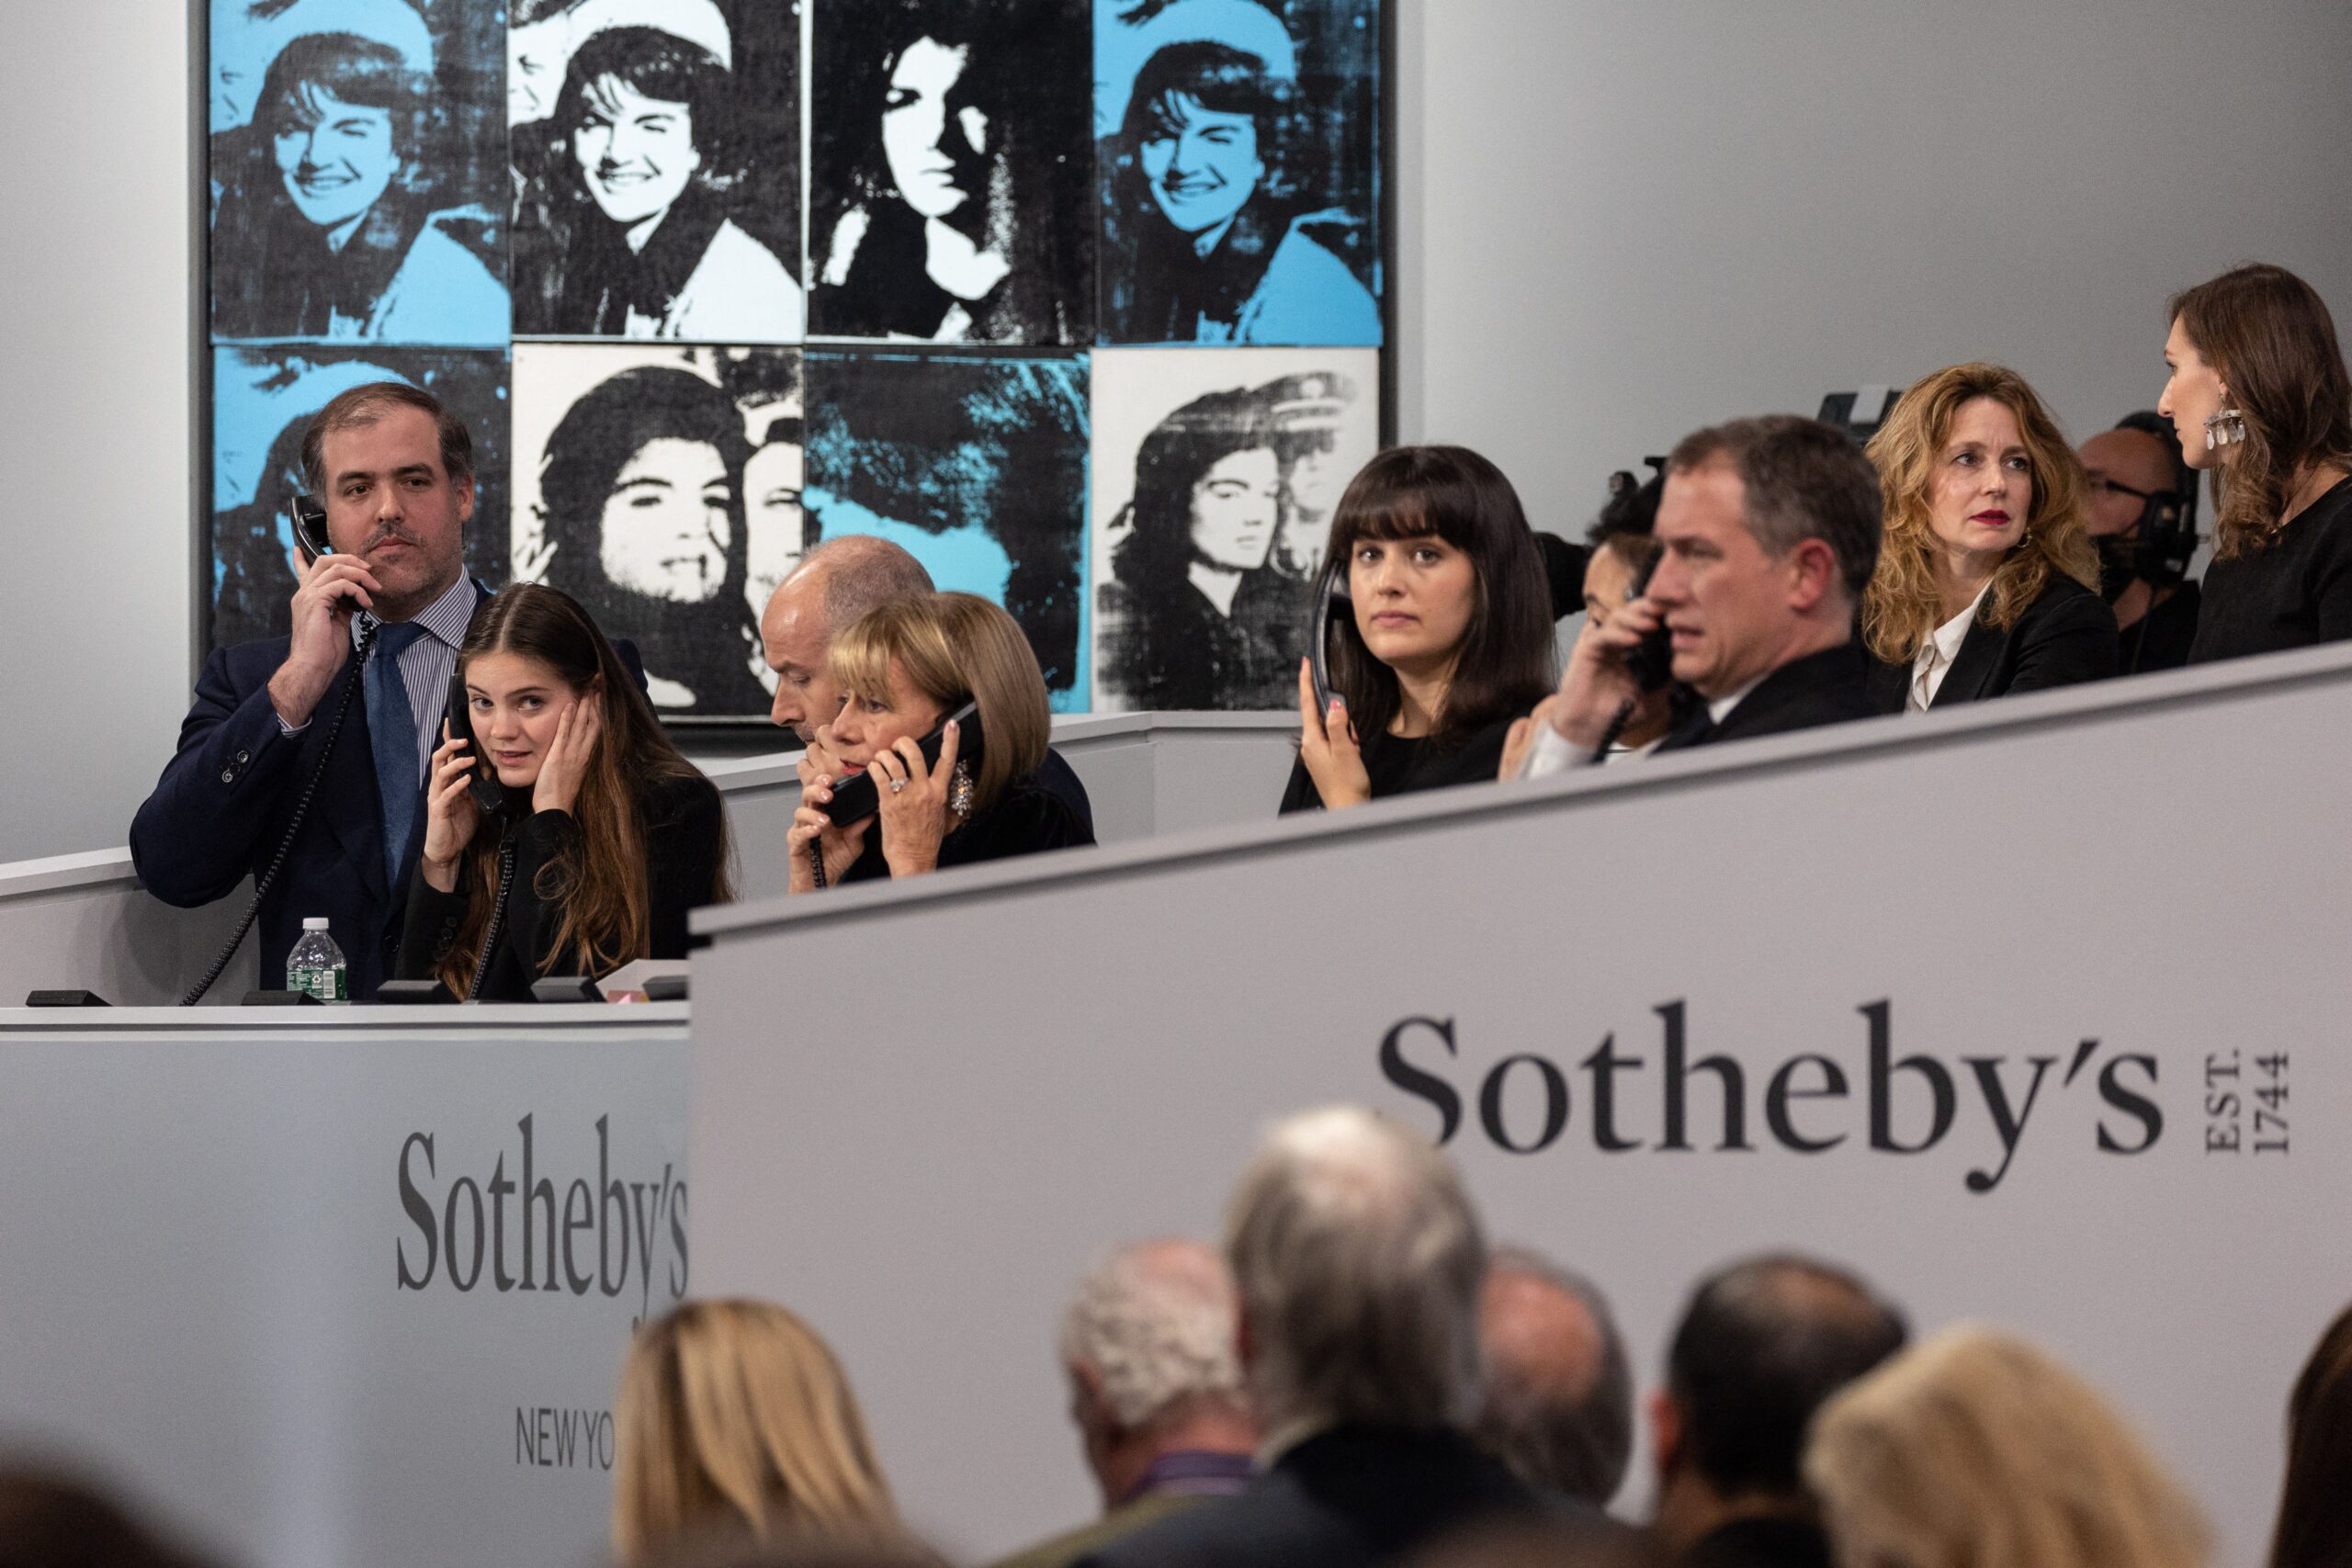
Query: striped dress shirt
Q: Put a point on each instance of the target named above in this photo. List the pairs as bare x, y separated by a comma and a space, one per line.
426, 665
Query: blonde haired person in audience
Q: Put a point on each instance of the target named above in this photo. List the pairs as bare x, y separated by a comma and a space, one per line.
1974, 1449
905, 670
1988, 580
734, 1416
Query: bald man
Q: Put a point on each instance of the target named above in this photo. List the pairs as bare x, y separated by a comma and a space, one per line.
1155, 1390
834, 584
1558, 1402
2155, 611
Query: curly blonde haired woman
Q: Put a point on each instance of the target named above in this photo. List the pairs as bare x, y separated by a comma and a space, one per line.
1987, 581
734, 1417
1974, 1449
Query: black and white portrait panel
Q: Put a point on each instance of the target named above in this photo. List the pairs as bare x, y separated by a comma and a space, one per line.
978, 466
263, 401
357, 180
660, 486
1216, 476
656, 169
1237, 148
950, 171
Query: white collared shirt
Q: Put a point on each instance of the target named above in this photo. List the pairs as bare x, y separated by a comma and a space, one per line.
1553, 752
1935, 657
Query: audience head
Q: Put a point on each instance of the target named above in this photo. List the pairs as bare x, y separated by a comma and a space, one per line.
1147, 1345
734, 1414
1760, 1346
1973, 470
1770, 532
1558, 1406
1976, 1450
1447, 584
531, 654
2258, 343
905, 667
832, 588
49, 1521
2315, 1510
1358, 1262
2121, 469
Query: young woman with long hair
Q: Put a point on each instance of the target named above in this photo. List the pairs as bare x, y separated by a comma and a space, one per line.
1450, 640
2260, 399
734, 1418
1987, 581
608, 836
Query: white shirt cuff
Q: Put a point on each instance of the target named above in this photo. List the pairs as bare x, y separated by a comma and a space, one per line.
1552, 753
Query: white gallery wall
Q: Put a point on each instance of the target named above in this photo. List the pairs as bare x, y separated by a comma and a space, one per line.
1618, 220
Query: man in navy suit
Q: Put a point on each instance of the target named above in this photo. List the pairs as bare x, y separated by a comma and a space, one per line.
395, 472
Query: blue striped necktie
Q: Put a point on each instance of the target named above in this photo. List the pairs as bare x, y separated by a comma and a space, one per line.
391, 735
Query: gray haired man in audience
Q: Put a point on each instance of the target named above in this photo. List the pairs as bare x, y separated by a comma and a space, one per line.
1155, 1391
1559, 1396
1359, 1263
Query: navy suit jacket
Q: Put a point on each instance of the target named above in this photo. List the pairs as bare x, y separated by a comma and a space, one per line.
218, 811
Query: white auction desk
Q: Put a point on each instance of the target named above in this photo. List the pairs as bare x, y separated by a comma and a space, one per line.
340, 1287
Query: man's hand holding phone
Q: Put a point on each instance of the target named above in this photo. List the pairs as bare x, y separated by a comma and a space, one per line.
332, 588
1598, 684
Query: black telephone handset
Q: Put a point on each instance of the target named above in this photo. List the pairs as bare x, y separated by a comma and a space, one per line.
309, 528
1332, 604
855, 794
1651, 660
489, 794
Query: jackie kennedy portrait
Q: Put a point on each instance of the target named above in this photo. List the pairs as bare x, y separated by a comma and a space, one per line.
352, 198
1238, 182
951, 188
654, 179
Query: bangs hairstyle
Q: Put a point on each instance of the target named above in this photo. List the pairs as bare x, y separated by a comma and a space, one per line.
954, 649
1503, 665
1902, 607
1181, 79
2269, 337
734, 1412
598, 881
654, 64
352, 70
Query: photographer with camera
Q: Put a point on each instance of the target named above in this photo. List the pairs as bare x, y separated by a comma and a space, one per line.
1770, 529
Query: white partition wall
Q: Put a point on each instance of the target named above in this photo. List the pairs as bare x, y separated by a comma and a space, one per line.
2034, 1012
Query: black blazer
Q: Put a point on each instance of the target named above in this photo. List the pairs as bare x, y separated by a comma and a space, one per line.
221, 806
1352, 1498
1047, 809
684, 840
2066, 636
1826, 687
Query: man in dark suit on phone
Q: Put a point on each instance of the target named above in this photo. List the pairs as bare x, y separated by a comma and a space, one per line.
1770, 532
394, 472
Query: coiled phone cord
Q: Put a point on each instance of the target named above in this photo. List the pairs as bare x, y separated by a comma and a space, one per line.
497, 926
367, 646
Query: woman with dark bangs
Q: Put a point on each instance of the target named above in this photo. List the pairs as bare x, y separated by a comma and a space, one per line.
1450, 641
1988, 582
326, 230
2260, 398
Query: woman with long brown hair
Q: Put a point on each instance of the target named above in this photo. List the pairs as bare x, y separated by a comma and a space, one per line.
1987, 581
606, 836
2315, 1528
734, 1417
2261, 400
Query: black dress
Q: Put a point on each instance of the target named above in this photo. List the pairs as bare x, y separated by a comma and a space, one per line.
681, 821
2292, 592
1044, 810
2161, 638
1400, 766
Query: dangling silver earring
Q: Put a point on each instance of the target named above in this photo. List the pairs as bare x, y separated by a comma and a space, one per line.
2225, 428
959, 792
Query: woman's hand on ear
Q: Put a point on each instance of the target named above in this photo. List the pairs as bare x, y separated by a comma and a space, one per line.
914, 802
569, 754
1327, 744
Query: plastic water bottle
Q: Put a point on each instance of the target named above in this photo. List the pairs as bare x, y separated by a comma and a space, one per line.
316, 963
